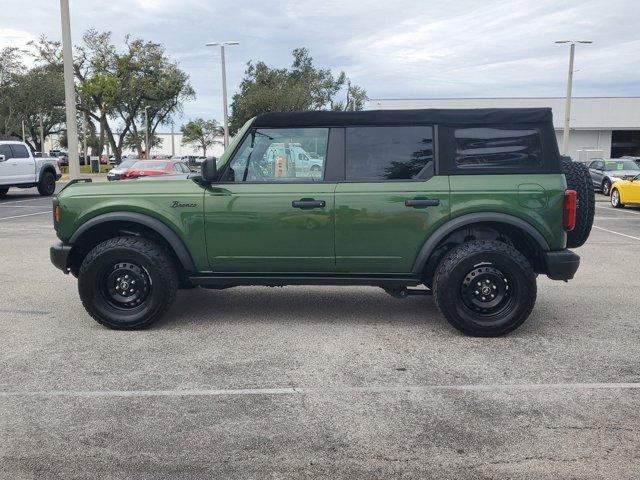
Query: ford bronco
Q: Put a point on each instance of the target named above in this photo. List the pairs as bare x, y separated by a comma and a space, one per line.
468, 205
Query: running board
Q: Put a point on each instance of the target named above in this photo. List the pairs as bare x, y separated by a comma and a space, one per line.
282, 280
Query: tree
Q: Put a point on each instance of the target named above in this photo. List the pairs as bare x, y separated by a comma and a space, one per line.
301, 87
138, 142
115, 85
34, 96
202, 134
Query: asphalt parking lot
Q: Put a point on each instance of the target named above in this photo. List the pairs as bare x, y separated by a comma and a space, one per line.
319, 381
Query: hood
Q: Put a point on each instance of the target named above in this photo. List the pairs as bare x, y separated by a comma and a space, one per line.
622, 173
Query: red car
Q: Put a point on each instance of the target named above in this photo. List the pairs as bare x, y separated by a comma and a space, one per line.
150, 168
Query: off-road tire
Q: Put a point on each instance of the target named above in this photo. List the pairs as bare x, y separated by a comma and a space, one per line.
150, 260
462, 264
579, 179
47, 184
3, 191
615, 194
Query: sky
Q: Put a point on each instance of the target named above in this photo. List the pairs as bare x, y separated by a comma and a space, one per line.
393, 49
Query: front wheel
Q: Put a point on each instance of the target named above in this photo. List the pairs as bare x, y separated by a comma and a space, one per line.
47, 185
615, 199
485, 288
127, 283
606, 187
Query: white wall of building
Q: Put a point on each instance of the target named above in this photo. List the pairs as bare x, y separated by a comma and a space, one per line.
592, 118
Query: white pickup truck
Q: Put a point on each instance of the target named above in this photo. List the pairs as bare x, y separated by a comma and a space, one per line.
19, 168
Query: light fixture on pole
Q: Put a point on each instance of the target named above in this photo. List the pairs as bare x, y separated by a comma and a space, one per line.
146, 132
224, 87
567, 106
69, 92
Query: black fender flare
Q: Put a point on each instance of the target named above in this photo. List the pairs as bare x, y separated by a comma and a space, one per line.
468, 219
171, 237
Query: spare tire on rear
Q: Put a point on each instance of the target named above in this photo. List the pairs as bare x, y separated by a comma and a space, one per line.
579, 179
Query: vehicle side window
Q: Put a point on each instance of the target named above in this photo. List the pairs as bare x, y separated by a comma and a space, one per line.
389, 153
6, 151
596, 164
19, 151
279, 155
498, 147
177, 168
185, 168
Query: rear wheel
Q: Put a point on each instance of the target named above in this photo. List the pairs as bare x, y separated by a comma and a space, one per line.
579, 179
127, 282
3, 191
485, 288
47, 185
615, 199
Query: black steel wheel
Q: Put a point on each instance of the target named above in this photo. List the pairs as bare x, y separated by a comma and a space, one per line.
127, 282
485, 288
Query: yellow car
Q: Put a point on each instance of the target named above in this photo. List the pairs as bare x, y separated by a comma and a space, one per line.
624, 192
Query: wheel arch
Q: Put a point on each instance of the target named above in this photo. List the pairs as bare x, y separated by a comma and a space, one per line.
110, 224
522, 233
45, 169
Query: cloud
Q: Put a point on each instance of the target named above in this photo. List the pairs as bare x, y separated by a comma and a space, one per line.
397, 49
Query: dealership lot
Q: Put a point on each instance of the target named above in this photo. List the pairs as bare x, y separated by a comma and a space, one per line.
309, 381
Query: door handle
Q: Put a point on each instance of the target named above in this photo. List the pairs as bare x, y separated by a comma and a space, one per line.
422, 202
308, 203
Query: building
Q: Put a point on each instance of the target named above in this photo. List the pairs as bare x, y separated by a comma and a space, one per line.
607, 127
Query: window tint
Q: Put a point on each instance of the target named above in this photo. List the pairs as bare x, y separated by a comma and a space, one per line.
6, 151
501, 147
596, 164
276, 155
177, 168
19, 151
388, 153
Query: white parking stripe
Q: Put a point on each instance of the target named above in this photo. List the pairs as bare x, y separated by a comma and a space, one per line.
620, 210
328, 390
48, 212
22, 206
25, 200
616, 233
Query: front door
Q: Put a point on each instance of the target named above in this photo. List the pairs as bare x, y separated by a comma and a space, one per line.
391, 200
267, 215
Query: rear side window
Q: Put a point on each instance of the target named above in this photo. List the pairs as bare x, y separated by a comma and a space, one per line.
19, 151
497, 147
389, 153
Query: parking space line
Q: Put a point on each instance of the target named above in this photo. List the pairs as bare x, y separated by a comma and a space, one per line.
48, 212
328, 390
22, 206
619, 210
24, 200
616, 233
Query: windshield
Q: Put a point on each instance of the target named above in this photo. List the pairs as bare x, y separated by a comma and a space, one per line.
620, 165
126, 163
149, 165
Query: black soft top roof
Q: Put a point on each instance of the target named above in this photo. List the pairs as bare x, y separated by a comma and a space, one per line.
477, 116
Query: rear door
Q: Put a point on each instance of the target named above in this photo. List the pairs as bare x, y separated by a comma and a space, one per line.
8, 170
596, 169
24, 163
268, 215
391, 199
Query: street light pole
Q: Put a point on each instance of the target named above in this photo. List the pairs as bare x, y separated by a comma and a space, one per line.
146, 133
224, 87
69, 92
567, 105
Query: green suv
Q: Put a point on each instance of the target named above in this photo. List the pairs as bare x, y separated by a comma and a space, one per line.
472, 204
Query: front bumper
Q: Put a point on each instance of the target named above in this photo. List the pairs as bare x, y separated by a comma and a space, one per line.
561, 265
59, 254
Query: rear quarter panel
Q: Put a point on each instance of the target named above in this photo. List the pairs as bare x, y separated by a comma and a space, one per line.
535, 198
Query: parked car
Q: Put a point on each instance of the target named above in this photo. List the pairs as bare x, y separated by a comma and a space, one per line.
116, 172
625, 192
388, 209
147, 168
635, 159
604, 172
20, 168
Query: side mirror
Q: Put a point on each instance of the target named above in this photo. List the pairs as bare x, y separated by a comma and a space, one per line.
209, 170
2, 158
